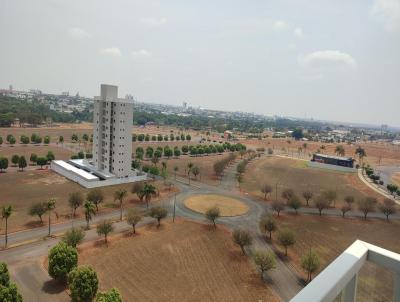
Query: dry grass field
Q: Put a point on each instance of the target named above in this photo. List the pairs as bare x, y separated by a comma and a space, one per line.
377, 152
295, 175
22, 189
330, 236
205, 164
184, 261
228, 206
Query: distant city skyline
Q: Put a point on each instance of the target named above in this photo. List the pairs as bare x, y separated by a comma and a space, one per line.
330, 60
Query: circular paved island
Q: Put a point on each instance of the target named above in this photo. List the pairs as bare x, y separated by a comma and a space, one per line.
228, 206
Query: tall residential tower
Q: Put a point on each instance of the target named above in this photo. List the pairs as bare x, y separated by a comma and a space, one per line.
112, 132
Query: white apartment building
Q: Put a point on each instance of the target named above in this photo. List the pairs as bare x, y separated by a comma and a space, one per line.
112, 132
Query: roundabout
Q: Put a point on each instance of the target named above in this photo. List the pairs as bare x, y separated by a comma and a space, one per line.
228, 206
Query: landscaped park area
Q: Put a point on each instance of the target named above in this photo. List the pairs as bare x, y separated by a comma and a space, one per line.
228, 206
184, 261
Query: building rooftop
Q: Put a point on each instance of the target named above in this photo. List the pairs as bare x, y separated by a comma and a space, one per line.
333, 156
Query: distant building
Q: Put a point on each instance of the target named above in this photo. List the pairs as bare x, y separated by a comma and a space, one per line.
112, 136
333, 160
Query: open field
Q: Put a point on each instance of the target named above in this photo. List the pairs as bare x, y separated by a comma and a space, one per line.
22, 189
205, 164
295, 175
184, 261
329, 237
377, 152
228, 206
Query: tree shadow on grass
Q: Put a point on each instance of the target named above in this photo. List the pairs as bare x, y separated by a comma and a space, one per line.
53, 287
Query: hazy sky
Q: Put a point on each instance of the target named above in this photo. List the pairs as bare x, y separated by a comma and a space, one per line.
326, 59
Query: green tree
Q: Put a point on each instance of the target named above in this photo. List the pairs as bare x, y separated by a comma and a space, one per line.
310, 263
195, 171
148, 192
5, 214
96, 196
61, 139
158, 213
24, 139
295, 203
74, 137
15, 160
75, 200
112, 295
3, 164
104, 228
265, 261
361, 154
41, 161
22, 163
242, 238
176, 169
83, 284
73, 237
133, 217
212, 214
8, 290
62, 259
46, 140
189, 170
392, 189
38, 209
50, 156
1, 140
90, 210
286, 238
33, 158
12, 140
119, 195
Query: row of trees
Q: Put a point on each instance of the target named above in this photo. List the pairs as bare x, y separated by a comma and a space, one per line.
328, 199
160, 137
24, 139
21, 162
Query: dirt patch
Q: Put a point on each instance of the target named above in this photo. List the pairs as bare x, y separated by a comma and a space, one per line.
228, 206
285, 173
180, 262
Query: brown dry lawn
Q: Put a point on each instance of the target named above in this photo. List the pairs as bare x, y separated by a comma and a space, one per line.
205, 164
329, 237
382, 153
22, 189
228, 206
184, 261
295, 175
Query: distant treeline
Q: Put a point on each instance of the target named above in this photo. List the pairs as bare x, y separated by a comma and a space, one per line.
33, 113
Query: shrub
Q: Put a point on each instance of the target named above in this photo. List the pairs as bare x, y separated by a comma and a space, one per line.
73, 237
83, 283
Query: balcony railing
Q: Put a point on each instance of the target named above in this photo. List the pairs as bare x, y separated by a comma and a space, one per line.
339, 279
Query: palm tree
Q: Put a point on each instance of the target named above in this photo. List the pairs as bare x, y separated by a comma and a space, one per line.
190, 167
120, 195
339, 150
5, 214
148, 192
90, 210
361, 154
50, 206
